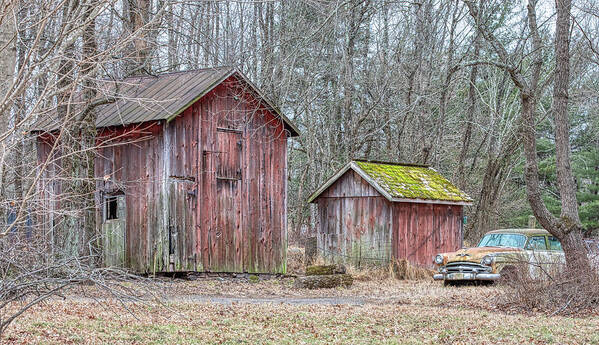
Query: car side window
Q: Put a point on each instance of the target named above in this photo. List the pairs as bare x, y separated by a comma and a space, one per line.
537, 243
554, 244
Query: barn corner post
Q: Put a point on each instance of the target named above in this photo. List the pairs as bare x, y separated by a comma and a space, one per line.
285, 135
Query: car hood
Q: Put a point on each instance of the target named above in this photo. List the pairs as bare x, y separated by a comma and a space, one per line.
476, 254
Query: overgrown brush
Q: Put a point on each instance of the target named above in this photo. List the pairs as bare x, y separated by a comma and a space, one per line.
29, 275
561, 292
402, 269
295, 260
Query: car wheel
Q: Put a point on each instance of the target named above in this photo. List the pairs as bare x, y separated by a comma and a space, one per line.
449, 283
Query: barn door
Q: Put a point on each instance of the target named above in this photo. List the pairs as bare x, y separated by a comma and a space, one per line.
113, 230
227, 251
182, 197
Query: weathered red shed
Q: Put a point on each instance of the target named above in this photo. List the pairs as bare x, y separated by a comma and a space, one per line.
192, 174
374, 212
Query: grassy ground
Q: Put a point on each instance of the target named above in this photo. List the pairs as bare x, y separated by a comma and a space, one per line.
395, 312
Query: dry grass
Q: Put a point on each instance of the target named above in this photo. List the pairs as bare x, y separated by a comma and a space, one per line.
399, 312
400, 269
377, 309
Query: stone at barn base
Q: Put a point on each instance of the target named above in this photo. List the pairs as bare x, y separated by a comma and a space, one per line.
319, 270
323, 281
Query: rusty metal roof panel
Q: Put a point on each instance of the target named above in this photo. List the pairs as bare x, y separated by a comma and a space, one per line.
163, 97
142, 99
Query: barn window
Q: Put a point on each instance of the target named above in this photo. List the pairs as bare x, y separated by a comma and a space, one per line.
112, 206
228, 157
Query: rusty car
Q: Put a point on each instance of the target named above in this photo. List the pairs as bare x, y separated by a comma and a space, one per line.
501, 254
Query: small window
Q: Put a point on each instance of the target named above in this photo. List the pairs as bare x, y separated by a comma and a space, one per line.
537, 243
554, 244
112, 206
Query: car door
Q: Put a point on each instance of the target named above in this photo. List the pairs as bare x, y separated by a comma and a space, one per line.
556, 253
538, 256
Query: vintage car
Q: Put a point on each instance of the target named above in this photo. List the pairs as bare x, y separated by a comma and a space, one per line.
502, 254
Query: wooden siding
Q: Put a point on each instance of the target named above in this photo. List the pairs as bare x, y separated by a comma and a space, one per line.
349, 185
355, 230
359, 226
421, 231
205, 191
133, 166
242, 215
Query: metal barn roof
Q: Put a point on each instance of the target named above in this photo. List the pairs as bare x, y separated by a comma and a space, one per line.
162, 97
402, 182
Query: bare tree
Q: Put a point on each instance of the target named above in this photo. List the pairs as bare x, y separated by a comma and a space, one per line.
567, 228
46, 246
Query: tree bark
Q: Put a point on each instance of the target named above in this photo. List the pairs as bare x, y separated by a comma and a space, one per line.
77, 234
136, 14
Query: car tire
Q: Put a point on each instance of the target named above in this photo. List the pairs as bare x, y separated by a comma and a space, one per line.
449, 283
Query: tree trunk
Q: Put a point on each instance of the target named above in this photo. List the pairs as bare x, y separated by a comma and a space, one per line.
88, 135
7, 67
136, 14
467, 137
570, 222
77, 234
63, 232
567, 228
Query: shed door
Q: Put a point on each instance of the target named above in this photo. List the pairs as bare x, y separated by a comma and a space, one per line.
227, 248
182, 197
113, 230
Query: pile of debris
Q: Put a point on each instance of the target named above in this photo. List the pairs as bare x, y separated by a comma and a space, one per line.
324, 277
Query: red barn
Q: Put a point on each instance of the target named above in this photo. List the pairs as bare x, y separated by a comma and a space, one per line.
192, 174
374, 212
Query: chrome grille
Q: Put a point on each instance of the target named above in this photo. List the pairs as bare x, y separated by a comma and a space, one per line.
466, 267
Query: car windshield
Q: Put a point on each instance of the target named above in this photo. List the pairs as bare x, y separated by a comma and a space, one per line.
503, 240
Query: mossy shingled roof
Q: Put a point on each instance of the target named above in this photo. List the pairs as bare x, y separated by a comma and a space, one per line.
412, 182
401, 182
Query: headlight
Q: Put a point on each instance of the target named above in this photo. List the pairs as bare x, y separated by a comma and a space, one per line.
439, 259
487, 260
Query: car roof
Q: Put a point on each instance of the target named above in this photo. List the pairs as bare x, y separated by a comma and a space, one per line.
526, 232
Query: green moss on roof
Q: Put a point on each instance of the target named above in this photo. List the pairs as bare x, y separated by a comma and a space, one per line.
412, 182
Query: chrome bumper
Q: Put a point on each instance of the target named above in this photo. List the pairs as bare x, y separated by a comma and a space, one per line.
466, 276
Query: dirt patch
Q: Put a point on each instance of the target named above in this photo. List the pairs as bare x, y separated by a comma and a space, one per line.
426, 293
